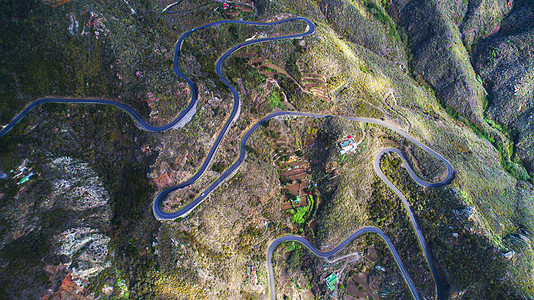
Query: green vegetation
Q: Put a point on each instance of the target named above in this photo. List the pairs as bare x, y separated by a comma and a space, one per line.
275, 100
295, 258
219, 167
290, 246
120, 284
505, 148
291, 64
493, 55
285, 181
364, 69
380, 14
297, 215
80, 66
438, 222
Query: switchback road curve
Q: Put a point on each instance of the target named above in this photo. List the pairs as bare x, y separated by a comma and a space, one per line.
332, 252
186, 115
420, 237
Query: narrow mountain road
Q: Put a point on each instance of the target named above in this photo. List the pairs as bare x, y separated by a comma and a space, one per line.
334, 251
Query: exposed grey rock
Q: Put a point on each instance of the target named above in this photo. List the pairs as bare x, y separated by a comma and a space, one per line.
86, 249
61, 217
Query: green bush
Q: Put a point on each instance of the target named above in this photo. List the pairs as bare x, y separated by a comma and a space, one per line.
298, 216
218, 167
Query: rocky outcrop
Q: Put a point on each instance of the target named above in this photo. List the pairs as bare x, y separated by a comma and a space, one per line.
86, 250
55, 228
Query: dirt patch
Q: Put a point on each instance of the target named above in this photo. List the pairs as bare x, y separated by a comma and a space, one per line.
293, 189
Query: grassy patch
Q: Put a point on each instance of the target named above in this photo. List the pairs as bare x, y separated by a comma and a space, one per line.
380, 14
297, 215
275, 100
505, 148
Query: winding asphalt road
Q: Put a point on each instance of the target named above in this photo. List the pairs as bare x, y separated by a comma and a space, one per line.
186, 115
334, 251
420, 237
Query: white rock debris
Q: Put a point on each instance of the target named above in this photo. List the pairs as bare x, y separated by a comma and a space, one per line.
87, 250
73, 27
77, 185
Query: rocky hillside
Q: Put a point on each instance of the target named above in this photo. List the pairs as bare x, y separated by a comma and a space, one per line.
55, 227
505, 64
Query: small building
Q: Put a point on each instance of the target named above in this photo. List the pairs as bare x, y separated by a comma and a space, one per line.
331, 281
347, 145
